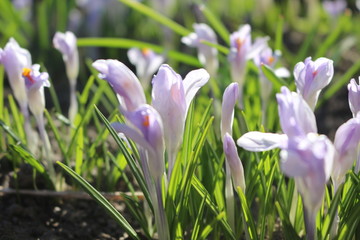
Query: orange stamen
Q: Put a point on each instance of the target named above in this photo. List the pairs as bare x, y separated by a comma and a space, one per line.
271, 59
314, 73
146, 121
26, 73
238, 43
145, 51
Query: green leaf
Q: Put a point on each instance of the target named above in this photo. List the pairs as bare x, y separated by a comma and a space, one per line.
79, 151
129, 43
216, 24
288, 229
248, 218
101, 200
36, 164
270, 75
141, 8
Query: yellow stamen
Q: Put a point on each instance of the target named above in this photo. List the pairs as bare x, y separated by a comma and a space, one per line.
238, 43
26, 73
271, 59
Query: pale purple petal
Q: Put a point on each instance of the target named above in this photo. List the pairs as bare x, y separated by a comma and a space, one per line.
347, 140
231, 95
168, 98
354, 96
123, 81
193, 81
232, 157
259, 141
296, 117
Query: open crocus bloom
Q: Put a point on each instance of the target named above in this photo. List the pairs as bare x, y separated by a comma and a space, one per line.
206, 54
66, 44
311, 77
354, 97
147, 133
171, 97
146, 61
123, 81
306, 156
14, 58
35, 83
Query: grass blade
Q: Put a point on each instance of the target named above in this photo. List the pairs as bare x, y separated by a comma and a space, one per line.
101, 200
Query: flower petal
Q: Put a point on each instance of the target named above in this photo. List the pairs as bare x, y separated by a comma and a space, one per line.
259, 141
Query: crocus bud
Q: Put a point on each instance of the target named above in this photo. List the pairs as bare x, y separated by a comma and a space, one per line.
296, 117
123, 81
311, 77
66, 44
231, 95
14, 58
35, 83
148, 133
147, 62
206, 54
232, 158
354, 97
347, 140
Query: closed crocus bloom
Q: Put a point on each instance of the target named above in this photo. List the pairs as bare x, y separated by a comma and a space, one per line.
14, 58
232, 158
66, 44
311, 77
148, 133
354, 97
171, 97
231, 95
35, 83
347, 140
146, 61
206, 54
123, 81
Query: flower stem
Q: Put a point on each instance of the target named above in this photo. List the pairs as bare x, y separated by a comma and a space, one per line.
73, 108
310, 222
160, 216
229, 196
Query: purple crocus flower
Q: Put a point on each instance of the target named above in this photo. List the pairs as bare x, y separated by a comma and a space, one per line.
347, 140
206, 54
147, 62
14, 58
124, 82
241, 50
171, 97
35, 82
66, 44
230, 96
306, 156
354, 97
334, 8
311, 77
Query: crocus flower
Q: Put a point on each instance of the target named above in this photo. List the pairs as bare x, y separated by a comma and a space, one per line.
124, 82
306, 156
66, 44
347, 140
206, 54
311, 77
268, 57
171, 97
241, 50
147, 132
35, 83
14, 58
334, 8
147, 62
354, 97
